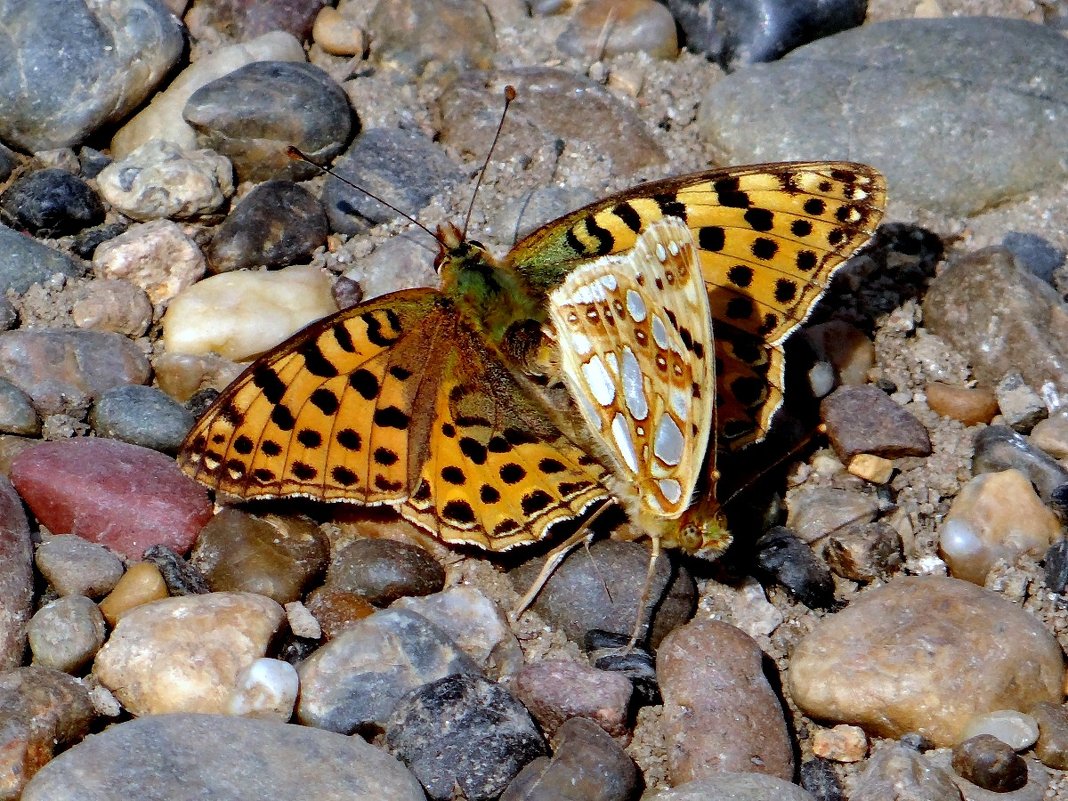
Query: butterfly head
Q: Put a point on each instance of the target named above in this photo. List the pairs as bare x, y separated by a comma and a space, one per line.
702, 535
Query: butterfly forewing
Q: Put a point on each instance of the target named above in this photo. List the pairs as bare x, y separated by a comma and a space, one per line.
634, 337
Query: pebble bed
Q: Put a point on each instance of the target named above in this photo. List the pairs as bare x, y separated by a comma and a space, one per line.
890, 621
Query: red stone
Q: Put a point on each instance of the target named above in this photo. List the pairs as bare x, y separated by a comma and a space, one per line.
123, 496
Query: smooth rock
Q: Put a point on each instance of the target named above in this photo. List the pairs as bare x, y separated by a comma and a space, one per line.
141, 584
1038, 781
1035, 253
41, 711
474, 623
829, 100
425, 35
587, 765
238, 20
720, 712
66, 633
397, 263
865, 552
900, 772
17, 415
242, 314
113, 305
354, 681
980, 653
783, 558
16, 577
1051, 435
992, 310
845, 347
224, 759
186, 654
157, 256
732, 787
274, 556
404, 167
336, 610
1052, 745
337, 34
59, 369
123, 496
465, 732
267, 688
384, 570
29, 262
556, 691
73, 566
142, 416
188, 376
1015, 729
989, 763
636, 26
999, 448
51, 203
995, 516
865, 420
159, 180
815, 512
970, 405
162, 119
251, 115
70, 67
276, 224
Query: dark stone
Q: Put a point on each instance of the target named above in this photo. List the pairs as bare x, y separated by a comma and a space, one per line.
92, 161
180, 577
384, 570
734, 33
276, 224
987, 762
16, 577
1056, 566
864, 420
466, 732
86, 243
27, 262
142, 416
865, 551
402, 167
52, 203
1000, 448
819, 778
1035, 253
784, 559
242, 20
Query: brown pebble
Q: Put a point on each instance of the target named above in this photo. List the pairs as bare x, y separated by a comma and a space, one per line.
558, 690
970, 405
336, 610
865, 420
141, 583
1052, 745
987, 762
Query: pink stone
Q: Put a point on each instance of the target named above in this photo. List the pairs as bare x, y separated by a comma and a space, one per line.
123, 496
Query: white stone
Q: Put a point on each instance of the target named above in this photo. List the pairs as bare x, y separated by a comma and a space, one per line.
241, 314
265, 689
302, 622
1016, 729
163, 117
156, 256
160, 180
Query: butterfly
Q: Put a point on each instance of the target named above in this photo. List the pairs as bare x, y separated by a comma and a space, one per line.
432, 401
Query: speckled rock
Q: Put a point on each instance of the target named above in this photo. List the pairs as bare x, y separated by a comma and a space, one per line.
979, 653
225, 759
73, 566
185, 654
865, 420
900, 772
995, 516
336, 610
720, 712
840, 743
30, 262
113, 305
66, 633
354, 681
463, 731
156, 256
556, 691
384, 570
120, 495
16, 577
52, 203
242, 314
142, 416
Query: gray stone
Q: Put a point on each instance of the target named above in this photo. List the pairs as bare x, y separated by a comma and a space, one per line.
900, 772
1000, 448
1020, 405
141, 415
161, 758
73, 566
16, 576
384, 570
67, 66
418, 33
66, 633
26, 262
17, 415
733, 787
942, 80
52, 203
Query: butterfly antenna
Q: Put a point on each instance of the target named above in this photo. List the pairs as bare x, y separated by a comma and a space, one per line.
509, 96
297, 155
793, 451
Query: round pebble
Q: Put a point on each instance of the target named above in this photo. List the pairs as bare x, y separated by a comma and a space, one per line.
783, 558
184, 375
156, 256
116, 306
267, 688
382, 571
186, 654
74, 566
337, 34
242, 314
1052, 745
418, 33
1051, 435
635, 26
17, 414
141, 416
52, 203
66, 633
141, 584
336, 610
463, 732
30, 262
970, 405
556, 691
989, 763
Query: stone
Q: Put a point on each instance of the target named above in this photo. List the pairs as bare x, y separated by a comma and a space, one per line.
865, 552
969, 405
1051, 435
900, 772
1015, 729
846, 348
158, 180
840, 744
1020, 405
405, 167
225, 759
1052, 745
123, 496
267, 688
181, 577
637, 26
66, 633
242, 314
157, 257
732, 787
819, 777
29, 262
999, 448
141, 584
995, 516
872, 468
113, 305
59, 369
337, 34
142, 416
253, 114
384, 570
17, 415
238, 20
276, 224
1035, 253
556, 691
336, 610
16, 577
186, 654
720, 712
783, 558
981, 653
302, 622
989, 763
354, 681
463, 731
185, 376
397, 263
992, 310
70, 67
815, 512
424, 35
52, 203
162, 119
865, 420
73, 566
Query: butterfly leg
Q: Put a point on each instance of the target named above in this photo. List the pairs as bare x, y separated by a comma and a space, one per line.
553, 560
644, 616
